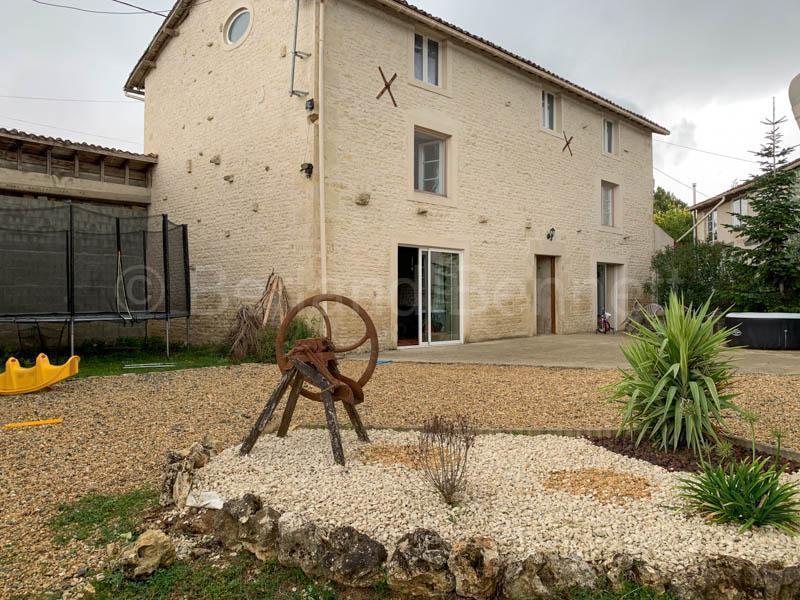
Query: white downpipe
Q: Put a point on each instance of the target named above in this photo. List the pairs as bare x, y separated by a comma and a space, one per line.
323, 241
134, 96
697, 223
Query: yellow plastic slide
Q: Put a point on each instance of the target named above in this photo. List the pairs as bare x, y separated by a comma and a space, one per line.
19, 380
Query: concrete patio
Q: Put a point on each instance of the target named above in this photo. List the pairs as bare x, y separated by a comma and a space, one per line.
591, 351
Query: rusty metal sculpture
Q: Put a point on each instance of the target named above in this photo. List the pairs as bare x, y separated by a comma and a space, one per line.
313, 361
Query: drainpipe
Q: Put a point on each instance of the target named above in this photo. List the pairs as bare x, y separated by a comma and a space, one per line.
134, 96
323, 242
700, 222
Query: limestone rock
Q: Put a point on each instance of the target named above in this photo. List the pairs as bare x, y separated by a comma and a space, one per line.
151, 551
245, 523
176, 482
522, 581
343, 554
620, 571
298, 542
418, 566
352, 558
781, 583
546, 574
215, 160
476, 566
721, 578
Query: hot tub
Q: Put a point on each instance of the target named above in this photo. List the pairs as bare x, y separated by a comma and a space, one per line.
765, 331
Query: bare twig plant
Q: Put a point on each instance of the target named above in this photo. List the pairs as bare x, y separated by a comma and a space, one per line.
250, 322
443, 450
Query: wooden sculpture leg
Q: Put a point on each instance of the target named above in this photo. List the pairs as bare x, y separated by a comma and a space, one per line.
294, 394
316, 378
333, 428
266, 414
361, 431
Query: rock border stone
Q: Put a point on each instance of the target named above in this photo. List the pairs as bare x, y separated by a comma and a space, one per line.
425, 565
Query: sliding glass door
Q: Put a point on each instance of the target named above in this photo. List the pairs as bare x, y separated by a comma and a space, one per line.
438, 300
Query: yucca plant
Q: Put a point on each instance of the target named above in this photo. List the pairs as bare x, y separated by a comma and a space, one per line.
678, 385
748, 492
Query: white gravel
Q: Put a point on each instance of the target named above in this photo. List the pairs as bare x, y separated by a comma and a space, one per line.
506, 499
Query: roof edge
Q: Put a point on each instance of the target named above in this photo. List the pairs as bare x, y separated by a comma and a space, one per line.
135, 82
136, 79
34, 138
501, 53
738, 189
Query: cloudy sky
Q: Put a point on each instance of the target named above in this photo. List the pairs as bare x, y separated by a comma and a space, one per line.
707, 70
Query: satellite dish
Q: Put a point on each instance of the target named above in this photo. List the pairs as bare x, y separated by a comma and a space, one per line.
794, 98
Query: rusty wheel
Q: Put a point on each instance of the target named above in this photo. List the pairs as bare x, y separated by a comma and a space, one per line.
370, 335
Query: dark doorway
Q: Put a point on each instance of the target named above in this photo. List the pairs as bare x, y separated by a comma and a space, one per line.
408, 278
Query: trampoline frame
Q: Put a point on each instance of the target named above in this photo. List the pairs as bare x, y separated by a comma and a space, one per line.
71, 316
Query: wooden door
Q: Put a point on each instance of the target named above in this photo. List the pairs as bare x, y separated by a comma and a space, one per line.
545, 295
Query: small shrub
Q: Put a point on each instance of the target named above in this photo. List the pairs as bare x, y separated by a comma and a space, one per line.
442, 453
694, 271
298, 330
677, 388
748, 492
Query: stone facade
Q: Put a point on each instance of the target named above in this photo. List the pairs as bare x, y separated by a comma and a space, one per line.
509, 181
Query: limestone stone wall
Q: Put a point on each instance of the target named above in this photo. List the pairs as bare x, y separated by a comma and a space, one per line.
208, 103
509, 182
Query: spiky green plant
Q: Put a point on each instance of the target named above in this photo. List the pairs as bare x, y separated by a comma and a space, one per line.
748, 492
679, 381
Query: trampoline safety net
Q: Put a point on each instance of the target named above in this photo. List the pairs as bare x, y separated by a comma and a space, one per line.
72, 262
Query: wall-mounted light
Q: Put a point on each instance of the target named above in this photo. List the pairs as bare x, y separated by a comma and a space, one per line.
310, 104
307, 169
551, 234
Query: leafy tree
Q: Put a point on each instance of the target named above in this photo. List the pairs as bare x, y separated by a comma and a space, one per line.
675, 221
670, 213
695, 271
772, 229
664, 201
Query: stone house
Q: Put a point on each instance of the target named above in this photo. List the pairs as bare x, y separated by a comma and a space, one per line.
364, 147
712, 215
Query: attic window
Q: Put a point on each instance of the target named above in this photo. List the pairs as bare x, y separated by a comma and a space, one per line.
237, 26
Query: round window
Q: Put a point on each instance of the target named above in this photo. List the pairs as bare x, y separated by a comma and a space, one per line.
238, 25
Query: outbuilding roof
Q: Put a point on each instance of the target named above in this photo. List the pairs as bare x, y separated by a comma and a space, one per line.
737, 190
168, 29
33, 138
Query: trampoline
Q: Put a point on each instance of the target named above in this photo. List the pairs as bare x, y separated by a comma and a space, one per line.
72, 263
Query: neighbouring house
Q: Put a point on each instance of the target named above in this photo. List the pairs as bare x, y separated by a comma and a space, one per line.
712, 215
364, 147
78, 246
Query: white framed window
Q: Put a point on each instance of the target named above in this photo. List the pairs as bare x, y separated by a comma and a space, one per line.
237, 26
608, 193
549, 110
712, 233
427, 59
430, 162
740, 207
609, 137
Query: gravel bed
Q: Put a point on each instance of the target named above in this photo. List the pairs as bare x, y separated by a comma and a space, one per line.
116, 430
506, 499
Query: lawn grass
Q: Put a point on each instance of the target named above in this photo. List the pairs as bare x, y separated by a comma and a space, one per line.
631, 592
101, 518
242, 577
112, 361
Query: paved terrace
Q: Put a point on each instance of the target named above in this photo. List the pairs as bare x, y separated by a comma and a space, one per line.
579, 351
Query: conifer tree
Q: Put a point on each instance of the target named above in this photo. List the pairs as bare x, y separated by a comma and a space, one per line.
771, 230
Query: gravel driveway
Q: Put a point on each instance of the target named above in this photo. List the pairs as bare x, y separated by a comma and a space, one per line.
116, 430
